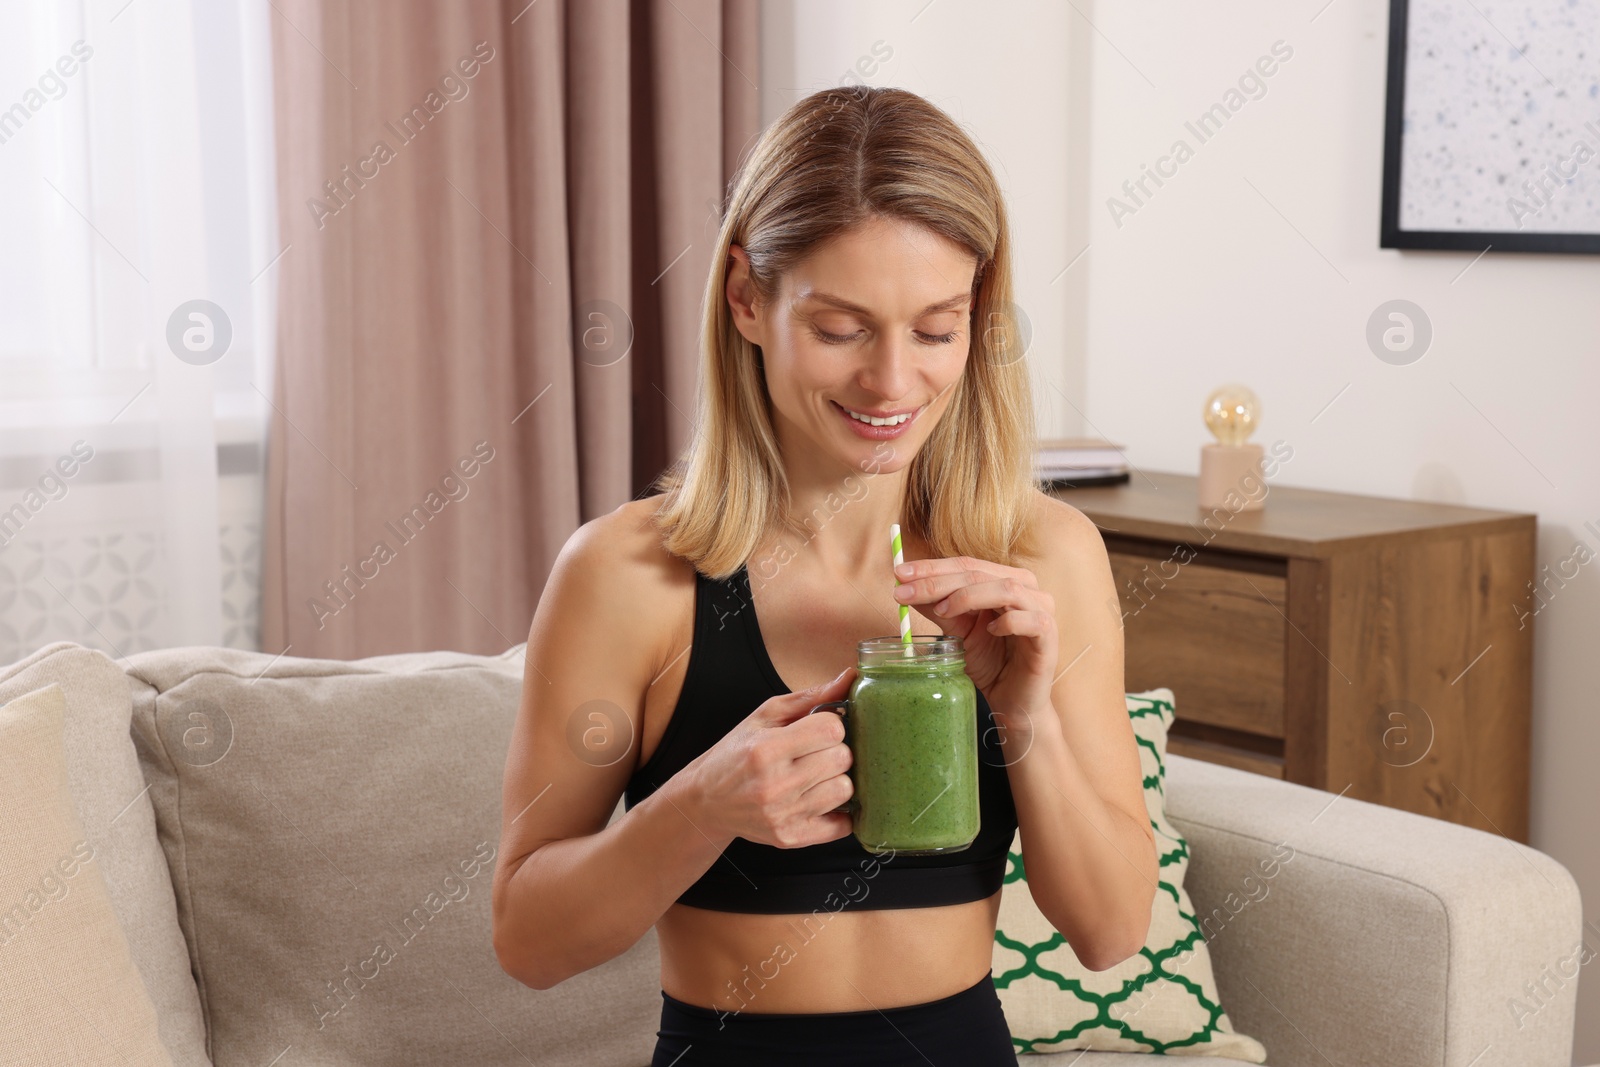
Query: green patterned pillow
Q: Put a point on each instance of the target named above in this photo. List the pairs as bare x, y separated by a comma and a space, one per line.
1164, 999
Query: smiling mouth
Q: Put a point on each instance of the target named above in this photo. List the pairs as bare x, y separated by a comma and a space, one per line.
869, 420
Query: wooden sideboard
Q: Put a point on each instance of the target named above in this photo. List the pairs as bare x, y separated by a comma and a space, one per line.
1377, 647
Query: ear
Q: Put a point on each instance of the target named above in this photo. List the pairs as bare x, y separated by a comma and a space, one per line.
741, 296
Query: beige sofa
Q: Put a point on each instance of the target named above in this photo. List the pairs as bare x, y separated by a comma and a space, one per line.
300, 854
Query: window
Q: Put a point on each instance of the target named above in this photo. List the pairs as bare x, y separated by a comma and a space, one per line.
136, 172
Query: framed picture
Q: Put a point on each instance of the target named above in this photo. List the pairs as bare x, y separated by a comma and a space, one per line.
1492, 126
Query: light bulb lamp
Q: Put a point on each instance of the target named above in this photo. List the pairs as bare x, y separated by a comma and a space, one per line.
1230, 469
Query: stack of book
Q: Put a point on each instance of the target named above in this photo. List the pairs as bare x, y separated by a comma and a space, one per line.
1073, 462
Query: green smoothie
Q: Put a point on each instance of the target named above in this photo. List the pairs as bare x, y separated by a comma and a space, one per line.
913, 733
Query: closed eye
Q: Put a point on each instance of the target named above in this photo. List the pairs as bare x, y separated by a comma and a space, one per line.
842, 338
831, 338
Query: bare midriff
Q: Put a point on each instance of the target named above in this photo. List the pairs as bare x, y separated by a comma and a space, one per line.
825, 961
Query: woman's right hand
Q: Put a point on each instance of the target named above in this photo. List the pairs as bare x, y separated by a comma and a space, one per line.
776, 777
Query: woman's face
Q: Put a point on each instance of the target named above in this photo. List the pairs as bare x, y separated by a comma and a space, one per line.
875, 322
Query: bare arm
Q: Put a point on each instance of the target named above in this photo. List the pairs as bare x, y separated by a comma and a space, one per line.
1090, 850
571, 892
577, 902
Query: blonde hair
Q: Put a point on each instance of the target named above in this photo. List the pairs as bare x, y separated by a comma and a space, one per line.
831, 162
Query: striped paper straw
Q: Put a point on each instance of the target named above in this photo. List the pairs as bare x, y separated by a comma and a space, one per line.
905, 609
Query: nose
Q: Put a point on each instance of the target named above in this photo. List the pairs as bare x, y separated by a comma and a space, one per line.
889, 370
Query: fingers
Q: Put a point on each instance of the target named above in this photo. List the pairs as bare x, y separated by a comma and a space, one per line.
818, 766
958, 593
815, 733
829, 826
824, 797
781, 711
1023, 624
924, 568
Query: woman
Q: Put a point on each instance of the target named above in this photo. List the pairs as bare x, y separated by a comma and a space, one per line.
862, 274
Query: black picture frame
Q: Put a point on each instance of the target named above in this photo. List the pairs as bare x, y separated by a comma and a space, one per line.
1390, 233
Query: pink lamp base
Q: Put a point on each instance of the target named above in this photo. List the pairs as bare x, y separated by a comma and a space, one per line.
1231, 477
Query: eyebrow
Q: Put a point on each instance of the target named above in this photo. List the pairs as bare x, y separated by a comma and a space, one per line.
947, 304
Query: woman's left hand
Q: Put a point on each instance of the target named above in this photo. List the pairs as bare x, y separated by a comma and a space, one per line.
1007, 625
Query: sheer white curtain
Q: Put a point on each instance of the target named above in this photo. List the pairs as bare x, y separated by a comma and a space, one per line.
137, 239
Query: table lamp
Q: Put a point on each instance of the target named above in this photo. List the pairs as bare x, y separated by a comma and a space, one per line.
1230, 469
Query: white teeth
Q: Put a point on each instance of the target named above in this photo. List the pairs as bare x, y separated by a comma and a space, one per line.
894, 420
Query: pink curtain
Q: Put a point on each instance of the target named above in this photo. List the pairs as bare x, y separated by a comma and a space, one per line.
480, 202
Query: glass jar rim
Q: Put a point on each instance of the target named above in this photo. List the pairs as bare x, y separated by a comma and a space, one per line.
926, 650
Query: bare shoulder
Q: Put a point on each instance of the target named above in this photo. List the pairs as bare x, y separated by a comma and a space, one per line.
1069, 543
619, 561
618, 568
625, 542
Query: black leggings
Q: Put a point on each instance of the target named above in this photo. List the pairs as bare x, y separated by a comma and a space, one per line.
965, 1029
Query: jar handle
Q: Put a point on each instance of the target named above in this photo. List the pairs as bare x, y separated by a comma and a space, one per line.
840, 708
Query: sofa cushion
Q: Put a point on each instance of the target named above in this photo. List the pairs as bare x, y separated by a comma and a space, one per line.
1164, 998
69, 990
118, 822
331, 828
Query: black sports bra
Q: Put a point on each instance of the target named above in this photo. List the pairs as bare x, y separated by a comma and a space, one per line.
728, 676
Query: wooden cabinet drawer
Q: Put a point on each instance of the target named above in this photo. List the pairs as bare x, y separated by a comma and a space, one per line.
1288, 634
1212, 630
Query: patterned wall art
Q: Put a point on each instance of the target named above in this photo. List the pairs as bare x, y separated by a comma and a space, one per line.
1492, 128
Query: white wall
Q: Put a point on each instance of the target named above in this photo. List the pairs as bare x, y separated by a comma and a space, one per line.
1259, 261
1210, 281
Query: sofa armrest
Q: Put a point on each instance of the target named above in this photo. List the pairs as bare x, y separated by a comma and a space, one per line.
1373, 935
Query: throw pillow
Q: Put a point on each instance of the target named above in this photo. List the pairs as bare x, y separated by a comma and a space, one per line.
118, 820
333, 828
1163, 999
69, 990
